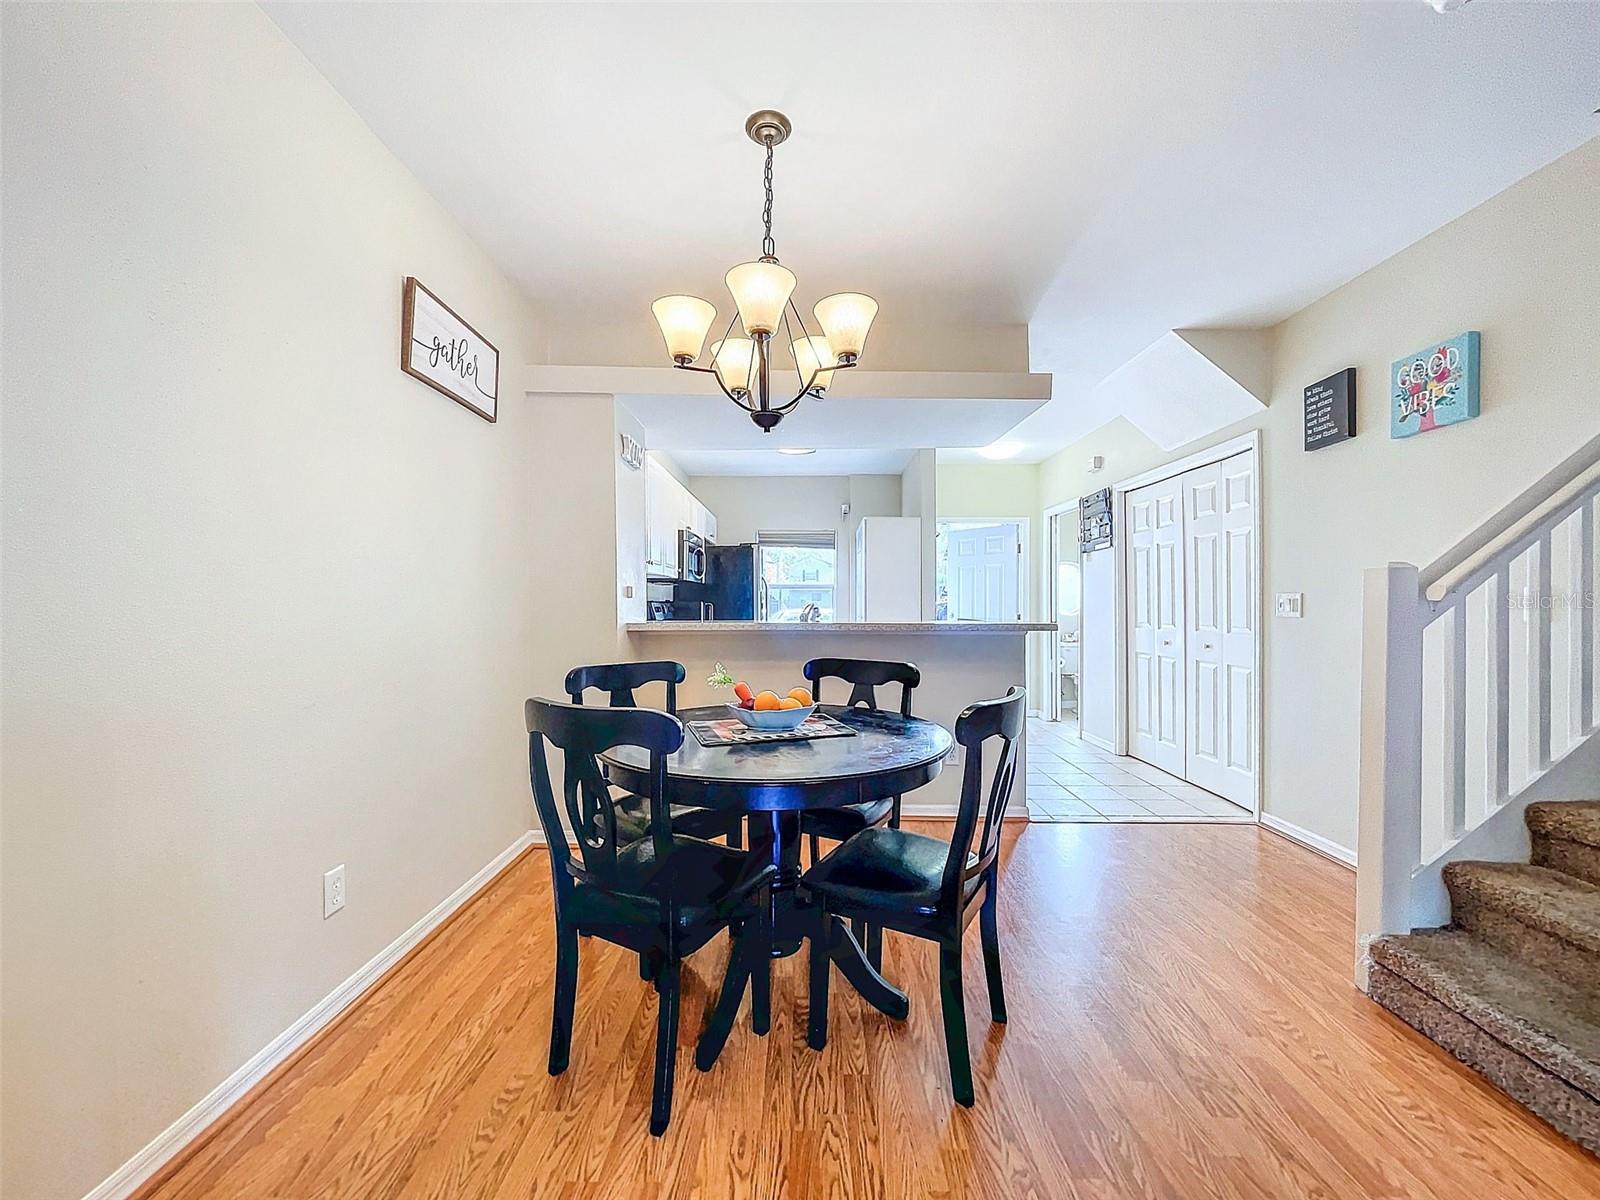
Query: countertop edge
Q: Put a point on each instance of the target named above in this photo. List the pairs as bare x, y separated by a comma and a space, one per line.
961, 628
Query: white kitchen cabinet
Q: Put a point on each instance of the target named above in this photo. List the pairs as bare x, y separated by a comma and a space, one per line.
670, 507
661, 539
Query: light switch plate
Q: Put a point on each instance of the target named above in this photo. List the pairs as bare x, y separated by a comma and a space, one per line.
1291, 604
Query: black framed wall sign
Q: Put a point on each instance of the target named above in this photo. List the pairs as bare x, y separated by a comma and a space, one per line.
1331, 409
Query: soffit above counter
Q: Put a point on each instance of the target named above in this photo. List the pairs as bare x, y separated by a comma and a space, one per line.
864, 409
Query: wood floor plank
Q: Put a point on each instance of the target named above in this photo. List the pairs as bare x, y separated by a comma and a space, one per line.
1182, 1026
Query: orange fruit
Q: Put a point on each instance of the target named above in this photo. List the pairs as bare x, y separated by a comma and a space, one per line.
789, 702
800, 694
768, 702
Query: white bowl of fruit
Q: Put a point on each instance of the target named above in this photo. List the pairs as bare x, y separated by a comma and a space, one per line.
770, 711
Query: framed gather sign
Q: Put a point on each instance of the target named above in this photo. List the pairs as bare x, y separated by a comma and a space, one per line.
447, 354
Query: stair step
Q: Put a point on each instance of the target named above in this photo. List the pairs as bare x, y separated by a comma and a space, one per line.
1570, 820
1566, 837
1534, 1036
1542, 1017
1543, 917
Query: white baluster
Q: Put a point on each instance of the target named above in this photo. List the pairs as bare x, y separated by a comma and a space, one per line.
1546, 681
1501, 709
1523, 702
1586, 614
1566, 636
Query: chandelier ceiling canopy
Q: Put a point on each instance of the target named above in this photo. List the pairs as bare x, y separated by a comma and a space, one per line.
763, 299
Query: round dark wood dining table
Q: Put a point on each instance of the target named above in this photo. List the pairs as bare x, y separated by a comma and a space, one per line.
774, 782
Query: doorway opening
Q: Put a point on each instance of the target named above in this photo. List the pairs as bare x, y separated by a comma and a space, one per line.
981, 569
1063, 674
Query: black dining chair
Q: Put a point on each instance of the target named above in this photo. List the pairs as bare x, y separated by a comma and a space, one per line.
864, 676
894, 879
619, 680
663, 896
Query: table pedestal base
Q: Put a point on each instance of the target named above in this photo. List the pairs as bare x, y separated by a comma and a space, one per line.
776, 836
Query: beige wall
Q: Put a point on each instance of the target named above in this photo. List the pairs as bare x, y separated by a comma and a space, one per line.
988, 490
957, 668
270, 605
919, 497
632, 529
1524, 269
902, 343
1066, 476
746, 504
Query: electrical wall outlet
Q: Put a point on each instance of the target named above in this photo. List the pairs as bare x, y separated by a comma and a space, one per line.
333, 891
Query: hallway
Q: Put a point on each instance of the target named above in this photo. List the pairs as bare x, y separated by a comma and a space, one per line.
1071, 781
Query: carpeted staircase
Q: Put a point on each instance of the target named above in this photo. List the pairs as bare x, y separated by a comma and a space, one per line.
1512, 986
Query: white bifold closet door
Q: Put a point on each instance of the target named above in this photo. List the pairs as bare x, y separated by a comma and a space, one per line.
1220, 627
1155, 627
1192, 626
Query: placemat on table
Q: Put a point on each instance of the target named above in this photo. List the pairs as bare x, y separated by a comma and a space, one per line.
734, 732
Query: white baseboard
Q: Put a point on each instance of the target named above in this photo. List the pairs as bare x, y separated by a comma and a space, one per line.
1311, 841
127, 1178
1095, 739
1015, 811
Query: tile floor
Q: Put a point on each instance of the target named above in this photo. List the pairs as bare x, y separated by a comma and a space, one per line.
1070, 780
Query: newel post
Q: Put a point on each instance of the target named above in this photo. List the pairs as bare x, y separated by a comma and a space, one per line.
1389, 829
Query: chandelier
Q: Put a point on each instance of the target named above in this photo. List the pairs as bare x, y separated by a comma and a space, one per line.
762, 296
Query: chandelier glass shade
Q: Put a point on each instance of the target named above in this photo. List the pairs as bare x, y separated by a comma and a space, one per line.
763, 300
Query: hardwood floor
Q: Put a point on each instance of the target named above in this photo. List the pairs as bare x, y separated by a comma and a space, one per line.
1182, 1024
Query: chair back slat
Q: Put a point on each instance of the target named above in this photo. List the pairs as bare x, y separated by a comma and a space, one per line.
618, 681
864, 675
982, 810
582, 734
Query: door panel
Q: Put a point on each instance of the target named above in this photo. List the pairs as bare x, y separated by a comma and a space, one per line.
1219, 510
983, 569
1156, 635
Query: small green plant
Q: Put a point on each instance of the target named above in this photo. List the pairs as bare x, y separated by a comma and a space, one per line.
720, 678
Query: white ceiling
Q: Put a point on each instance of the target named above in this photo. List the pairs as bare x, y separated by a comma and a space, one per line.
1104, 173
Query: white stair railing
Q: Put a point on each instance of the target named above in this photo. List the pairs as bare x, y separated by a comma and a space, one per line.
1478, 674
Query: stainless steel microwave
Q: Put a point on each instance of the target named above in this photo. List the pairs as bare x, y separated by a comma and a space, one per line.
691, 556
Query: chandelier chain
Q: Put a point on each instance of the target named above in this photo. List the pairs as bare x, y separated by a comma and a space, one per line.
768, 248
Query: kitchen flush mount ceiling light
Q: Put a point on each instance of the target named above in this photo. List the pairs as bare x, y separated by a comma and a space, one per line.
1001, 450
796, 450
763, 300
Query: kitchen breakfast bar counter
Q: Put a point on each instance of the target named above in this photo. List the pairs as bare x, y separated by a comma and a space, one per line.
960, 661
942, 628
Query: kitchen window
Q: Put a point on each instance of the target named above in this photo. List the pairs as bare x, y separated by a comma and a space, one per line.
798, 571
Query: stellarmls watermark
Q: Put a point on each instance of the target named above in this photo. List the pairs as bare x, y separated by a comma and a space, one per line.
1530, 600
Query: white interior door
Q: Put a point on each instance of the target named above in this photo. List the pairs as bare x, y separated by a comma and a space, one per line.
982, 572
1219, 510
1156, 666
